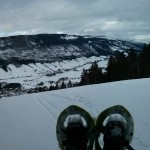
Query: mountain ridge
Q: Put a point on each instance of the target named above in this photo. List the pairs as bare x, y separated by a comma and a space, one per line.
34, 61
24, 49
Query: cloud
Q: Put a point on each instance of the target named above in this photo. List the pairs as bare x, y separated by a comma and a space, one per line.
114, 18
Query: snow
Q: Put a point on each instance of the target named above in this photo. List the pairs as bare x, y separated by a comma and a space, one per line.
116, 117
2, 43
114, 48
74, 119
69, 37
32, 74
28, 122
33, 43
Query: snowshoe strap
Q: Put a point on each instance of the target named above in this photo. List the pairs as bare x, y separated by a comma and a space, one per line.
126, 144
129, 147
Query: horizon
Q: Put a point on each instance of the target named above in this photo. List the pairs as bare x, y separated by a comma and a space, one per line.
113, 19
101, 36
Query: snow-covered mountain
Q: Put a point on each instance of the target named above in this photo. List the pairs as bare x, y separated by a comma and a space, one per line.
46, 74
57, 47
44, 59
28, 122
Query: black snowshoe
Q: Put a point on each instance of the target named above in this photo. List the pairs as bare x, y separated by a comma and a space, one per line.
117, 131
72, 132
115, 123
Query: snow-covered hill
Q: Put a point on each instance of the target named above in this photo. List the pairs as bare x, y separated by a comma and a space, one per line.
39, 61
57, 47
28, 122
42, 60
31, 75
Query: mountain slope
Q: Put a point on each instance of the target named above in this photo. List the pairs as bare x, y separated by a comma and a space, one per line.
31, 75
44, 59
26, 49
29, 122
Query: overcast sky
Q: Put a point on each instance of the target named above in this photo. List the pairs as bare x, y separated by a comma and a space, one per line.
122, 19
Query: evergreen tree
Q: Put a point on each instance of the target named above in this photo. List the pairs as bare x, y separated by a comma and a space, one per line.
111, 69
63, 85
92, 76
121, 66
84, 78
56, 86
70, 84
145, 61
133, 64
51, 88
96, 75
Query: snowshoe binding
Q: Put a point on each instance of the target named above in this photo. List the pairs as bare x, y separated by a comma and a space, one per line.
76, 135
114, 133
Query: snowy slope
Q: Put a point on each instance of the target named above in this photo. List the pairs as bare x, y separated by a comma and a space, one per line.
32, 74
28, 122
56, 47
44, 59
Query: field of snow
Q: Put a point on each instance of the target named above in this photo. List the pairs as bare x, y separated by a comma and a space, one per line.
30, 75
28, 122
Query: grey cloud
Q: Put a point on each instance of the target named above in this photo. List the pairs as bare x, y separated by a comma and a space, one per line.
115, 18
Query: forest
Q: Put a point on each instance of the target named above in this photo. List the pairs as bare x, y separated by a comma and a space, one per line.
123, 66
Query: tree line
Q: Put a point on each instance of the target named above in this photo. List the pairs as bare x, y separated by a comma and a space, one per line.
123, 66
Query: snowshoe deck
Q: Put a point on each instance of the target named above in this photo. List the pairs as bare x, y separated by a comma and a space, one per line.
60, 128
117, 109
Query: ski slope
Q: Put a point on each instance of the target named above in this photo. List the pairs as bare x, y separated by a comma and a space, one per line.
28, 122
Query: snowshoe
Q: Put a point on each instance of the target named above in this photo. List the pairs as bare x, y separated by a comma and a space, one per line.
75, 129
116, 125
